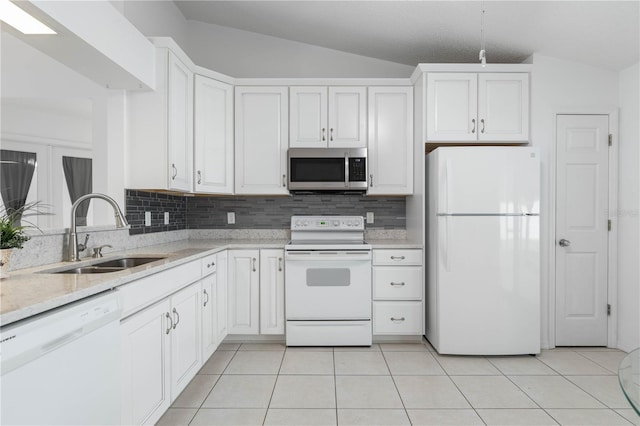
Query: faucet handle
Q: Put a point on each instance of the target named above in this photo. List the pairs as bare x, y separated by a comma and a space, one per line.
83, 246
97, 251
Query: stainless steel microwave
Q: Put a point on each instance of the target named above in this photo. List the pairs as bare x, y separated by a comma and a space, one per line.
327, 169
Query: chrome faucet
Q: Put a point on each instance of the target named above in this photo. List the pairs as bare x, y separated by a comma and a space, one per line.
121, 222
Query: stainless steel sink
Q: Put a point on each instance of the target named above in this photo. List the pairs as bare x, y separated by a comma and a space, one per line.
113, 265
89, 270
127, 262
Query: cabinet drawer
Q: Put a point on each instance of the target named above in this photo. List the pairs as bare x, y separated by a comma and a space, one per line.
209, 264
397, 257
397, 318
397, 283
146, 291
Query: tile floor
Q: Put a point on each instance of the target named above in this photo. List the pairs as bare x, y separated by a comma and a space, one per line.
401, 384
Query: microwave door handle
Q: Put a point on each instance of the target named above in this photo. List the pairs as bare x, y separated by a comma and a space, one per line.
346, 170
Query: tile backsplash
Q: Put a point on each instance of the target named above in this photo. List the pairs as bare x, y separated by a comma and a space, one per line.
200, 212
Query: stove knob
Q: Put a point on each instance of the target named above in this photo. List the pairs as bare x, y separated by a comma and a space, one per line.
298, 222
336, 223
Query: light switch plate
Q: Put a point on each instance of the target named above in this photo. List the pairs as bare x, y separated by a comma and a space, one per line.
166, 218
369, 217
231, 218
147, 218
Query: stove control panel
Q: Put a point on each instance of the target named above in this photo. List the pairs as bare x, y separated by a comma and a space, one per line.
327, 223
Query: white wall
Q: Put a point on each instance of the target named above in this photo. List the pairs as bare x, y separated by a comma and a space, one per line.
241, 54
628, 215
560, 86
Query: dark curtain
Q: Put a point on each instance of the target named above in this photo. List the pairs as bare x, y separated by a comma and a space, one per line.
16, 170
79, 176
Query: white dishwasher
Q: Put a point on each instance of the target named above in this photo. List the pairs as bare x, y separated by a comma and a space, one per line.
63, 367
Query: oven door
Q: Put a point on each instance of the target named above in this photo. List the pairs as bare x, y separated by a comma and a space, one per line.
328, 285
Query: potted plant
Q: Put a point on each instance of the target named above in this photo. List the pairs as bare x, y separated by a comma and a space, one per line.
12, 232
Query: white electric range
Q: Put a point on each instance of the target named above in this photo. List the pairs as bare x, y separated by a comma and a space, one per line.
328, 282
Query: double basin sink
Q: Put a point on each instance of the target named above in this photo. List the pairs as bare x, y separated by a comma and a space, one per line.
113, 265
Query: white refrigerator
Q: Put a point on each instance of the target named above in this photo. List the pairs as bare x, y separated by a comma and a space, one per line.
483, 259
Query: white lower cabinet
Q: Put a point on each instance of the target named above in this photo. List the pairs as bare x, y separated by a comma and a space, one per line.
160, 355
256, 291
397, 292
221, 297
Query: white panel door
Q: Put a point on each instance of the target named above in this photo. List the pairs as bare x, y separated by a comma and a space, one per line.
213, 136
272, 291
185, 337
582, 200
180, 125
503, 107
221, 296
488, 180
488, 290
347, 117
145, 345
390, 154
452, 106
244, 292
308, 117
261, 140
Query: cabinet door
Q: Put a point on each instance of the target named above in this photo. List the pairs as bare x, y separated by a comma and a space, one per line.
244, 287
452, 107
145, 365
503, 107
272, 291
185, 337
209, 315
179, 124
308, 127
221, 296
261, 140
213, 136
390, 140
347, 117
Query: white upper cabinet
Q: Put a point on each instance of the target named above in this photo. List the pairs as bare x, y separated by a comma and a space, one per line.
261, 130
390, 154
161, 129
470, 107
328, 117
213, 136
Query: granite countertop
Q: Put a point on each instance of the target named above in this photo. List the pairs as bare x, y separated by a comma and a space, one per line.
30, 292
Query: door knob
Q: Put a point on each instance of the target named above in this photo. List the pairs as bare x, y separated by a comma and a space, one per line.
564, 243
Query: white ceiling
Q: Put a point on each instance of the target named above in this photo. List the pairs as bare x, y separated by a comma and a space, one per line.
599, 33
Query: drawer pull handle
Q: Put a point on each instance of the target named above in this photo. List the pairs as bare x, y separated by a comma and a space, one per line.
397, 319
254, 264
397, 284
170, 322
177, 318
397, 258
207, 299
279, 264
209, 265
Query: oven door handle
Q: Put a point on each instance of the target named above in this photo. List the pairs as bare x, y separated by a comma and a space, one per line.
340, 256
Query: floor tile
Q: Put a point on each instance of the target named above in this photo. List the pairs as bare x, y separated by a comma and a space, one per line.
412, 363
608, 359
554, 392
217, 362
373, 348
466, 365
516, 417
605, 389
360, 363
177, 417
247, 391
195, 393
229, 417
630, 415
403, 347
444, 417
307, 362
372, 417
571, 363
492, 392
521, 366
228, 346
255, 362
262, 347
429, 392
366, 392
300, 417
586, 417
304, 392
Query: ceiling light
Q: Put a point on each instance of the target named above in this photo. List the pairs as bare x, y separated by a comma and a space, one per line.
21, 20
482, 56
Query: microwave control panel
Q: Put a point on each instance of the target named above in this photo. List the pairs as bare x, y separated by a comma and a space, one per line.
357, 169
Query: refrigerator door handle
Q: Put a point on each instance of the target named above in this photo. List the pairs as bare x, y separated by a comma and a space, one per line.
444, 190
